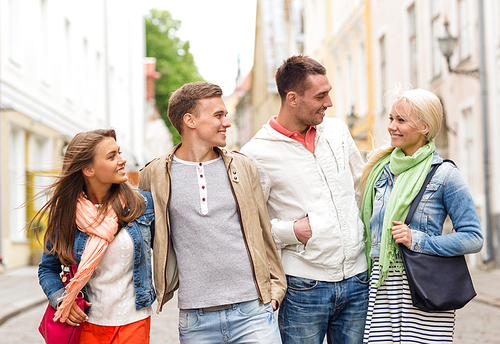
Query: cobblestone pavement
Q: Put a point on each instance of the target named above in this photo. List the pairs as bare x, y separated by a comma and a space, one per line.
477, 323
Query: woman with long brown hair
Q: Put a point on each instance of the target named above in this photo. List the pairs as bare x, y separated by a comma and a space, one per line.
96, 220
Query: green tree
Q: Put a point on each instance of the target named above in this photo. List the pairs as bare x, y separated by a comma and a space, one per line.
173, 60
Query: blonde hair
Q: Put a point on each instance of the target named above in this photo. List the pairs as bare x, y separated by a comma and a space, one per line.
425, 105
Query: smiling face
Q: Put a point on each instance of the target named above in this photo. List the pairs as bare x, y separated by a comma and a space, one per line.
108, 166
311, 106
406, 129
211, 122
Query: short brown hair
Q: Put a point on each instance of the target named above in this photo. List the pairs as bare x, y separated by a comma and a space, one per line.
186, 99
292, 74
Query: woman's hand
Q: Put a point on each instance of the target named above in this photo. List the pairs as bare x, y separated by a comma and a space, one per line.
401, 233
77, 315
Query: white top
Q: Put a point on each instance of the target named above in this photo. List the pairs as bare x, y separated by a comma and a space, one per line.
111, 287
324, 186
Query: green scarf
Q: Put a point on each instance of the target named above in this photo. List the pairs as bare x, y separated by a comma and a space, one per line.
412, 171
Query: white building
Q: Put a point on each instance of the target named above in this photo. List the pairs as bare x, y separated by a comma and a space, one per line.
65, 67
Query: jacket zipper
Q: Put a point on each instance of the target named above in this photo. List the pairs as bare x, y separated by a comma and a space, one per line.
243, 232
334, 157
333, 202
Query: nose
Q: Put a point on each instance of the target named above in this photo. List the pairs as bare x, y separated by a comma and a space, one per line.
328, 101
122, 160
391, 126
226, 123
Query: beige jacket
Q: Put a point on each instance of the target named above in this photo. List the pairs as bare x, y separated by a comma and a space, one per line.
268, 273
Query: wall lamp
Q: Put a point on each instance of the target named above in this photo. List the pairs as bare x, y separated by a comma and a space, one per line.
447, 45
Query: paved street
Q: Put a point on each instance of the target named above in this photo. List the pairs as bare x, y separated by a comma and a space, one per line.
477, 323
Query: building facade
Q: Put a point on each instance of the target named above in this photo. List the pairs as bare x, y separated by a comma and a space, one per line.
65, 67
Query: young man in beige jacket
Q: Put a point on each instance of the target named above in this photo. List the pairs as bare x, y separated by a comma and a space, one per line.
212, 231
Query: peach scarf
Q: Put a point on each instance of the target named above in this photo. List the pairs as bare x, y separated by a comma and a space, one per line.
100, 235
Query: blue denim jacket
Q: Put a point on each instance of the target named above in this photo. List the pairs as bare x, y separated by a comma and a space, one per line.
446, 194
142, 232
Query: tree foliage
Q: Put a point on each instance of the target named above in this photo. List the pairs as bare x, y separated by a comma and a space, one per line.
173, 60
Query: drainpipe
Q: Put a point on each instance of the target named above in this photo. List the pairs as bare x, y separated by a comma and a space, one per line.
484, 116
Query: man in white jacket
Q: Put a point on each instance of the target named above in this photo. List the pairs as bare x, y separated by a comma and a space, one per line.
310, 170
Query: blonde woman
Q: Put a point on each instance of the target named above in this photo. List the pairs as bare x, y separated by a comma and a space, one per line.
392, 178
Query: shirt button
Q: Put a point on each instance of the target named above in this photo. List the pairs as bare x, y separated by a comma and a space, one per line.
137, 264
139, 284
201, 164
143, 303
294, 134
203, 186
139, 244
307, 143
201, 175
416, 246
203, 199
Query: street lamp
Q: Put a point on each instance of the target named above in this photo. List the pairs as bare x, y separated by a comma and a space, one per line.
351, 118
447, 45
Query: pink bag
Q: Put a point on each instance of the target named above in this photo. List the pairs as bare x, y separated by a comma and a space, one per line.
56, 332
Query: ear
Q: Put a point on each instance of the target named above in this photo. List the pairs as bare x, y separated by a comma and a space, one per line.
88, 171
291, 98
425, 129
189, 120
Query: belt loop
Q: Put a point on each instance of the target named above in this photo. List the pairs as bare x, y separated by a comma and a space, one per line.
200, 312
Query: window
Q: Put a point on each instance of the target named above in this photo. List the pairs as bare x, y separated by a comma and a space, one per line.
45, 48
465, 29
362, 81
412, 40
15, 39
437, 57
383, 71
17, 185
469, 161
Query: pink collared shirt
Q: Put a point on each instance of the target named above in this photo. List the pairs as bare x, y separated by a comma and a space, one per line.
308, 141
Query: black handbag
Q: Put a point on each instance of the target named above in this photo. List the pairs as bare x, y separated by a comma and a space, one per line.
436, 283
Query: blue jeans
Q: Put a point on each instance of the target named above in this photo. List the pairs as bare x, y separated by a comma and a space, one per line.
246, 322
312, 309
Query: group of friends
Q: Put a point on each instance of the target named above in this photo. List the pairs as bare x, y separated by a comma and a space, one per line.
295, 223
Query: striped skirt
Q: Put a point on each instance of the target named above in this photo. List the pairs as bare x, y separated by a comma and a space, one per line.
391, 317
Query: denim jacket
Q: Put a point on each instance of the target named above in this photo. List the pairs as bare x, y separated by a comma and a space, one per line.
142, 232
446, 194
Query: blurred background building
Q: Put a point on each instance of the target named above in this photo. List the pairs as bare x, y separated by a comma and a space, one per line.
65, 67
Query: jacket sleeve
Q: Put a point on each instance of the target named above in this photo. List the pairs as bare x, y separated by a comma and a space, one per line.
144, 179
277, 274
460, 207
49, 277
282, 231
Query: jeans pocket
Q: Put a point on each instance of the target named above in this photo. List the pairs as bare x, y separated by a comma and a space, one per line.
362, 278
253, 308
187, 319
300, 284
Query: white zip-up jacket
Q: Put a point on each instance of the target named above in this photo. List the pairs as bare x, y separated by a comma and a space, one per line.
325, 187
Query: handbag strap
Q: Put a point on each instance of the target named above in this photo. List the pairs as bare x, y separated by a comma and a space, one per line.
416, 200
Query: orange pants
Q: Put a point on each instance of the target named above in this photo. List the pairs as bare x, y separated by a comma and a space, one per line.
134, 333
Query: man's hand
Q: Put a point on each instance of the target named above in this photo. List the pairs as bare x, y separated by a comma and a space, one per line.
274, 304
302, 230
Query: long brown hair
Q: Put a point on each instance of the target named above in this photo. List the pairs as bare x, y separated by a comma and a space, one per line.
69, 185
